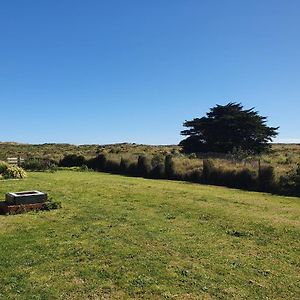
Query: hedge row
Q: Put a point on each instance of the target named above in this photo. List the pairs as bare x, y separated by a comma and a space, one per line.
263, 180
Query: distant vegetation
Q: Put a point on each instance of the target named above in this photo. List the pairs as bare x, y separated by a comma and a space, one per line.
276, 171
261, 179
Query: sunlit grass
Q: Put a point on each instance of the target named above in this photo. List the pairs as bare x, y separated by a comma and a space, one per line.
132, 238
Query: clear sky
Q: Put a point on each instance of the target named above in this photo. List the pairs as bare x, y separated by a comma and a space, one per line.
113, 71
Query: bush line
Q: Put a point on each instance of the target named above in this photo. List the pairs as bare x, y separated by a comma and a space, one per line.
263, 180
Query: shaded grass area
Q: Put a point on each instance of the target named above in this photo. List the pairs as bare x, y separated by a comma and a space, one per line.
130, 238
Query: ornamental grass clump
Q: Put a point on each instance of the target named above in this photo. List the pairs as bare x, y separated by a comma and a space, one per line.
14, 172
3, 166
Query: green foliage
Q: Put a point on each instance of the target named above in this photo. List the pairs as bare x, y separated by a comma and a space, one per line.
112, 166
235, 177
242, 178
52, 204
98, 163
239, 154
14, 172
245, 179
72, 160
283, 157
124, 165
237, 167
157, 159
296, 179
3, 166
158, 171
290, 183
227, 127
266, 178
132, 169
39, 164
169, 167
143, 166
195, 176
84, 168
208, 168
297, 175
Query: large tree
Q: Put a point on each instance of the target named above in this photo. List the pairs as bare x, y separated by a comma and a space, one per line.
228, 127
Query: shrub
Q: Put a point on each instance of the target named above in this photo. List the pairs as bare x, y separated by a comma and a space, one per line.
156, 160
194, 176
223, 177
132, 169
112, 166
84, 168
124, 165
158, 171
238, 154
98, 163
290, 183
52, 204
169, 167
72, 160
192, 156
245, 179
3, 166
266, 178
208, 168
38, 164
143, 166
74, 169
233, 178
14, 172
296, 179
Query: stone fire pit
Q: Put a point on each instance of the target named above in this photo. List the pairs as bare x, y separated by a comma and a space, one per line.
18, 202
27, 197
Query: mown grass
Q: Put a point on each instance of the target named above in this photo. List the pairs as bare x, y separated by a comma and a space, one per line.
118, 237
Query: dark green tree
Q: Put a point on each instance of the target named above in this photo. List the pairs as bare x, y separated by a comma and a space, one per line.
228, 127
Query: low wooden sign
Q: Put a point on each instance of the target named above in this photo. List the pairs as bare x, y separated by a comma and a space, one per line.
15, 160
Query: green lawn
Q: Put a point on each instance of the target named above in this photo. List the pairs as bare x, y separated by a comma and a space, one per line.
131, 238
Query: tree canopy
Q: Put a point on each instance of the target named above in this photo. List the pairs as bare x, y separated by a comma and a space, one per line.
228, 127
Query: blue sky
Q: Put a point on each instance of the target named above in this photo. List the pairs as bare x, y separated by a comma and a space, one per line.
114, 71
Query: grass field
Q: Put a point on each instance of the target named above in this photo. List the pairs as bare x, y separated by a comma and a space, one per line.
131, 238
